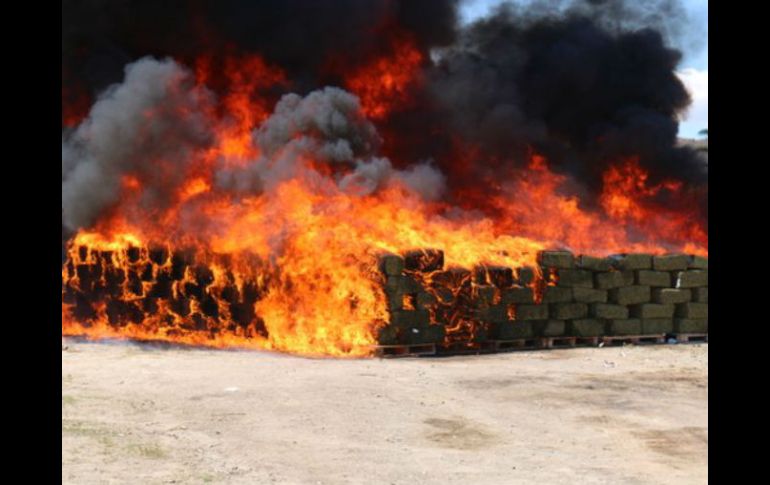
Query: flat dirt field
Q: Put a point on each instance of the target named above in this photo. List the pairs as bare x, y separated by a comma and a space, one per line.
621, 415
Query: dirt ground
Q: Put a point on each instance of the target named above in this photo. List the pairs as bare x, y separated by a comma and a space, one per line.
620, 415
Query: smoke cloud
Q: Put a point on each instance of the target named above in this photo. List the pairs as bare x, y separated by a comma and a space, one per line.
306, 38
327, 126
587, 84
151, 126
576, 86
327, 123
148, 126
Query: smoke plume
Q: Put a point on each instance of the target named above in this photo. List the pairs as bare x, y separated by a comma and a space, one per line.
587, 84
151, 126
147, 126
572, 84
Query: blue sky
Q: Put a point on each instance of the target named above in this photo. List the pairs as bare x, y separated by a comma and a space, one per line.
693, 70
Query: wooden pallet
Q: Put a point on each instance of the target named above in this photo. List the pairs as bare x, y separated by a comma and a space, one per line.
405, 350
565, 342
687, 338
587, 341
609, 340
516, 344
562, 342
558, 342
461, 348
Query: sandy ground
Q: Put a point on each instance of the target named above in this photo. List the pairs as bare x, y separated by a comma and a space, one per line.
142, 414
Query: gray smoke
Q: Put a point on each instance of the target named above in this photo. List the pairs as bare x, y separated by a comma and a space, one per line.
326, 126
148, 127
153, 128
423, 179
326, 122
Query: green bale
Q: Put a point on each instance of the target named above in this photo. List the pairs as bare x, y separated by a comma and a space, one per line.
557, 294
691, 325
485, 295
494, 313
692, 310
652, 310
531, 312
582, 278
608, 310
670, 262
517, 295
549, 328
671, 295
586, 327
499, 276
522, 330
556, 259
414, 335
632, 261
700, 295
659, 279
630, 295
387, 335
525, 275
481, 334
402, 284
613, 279
391, 264
409, 318
593, 263
625, 326
434, 334
589, 295
698, 262
395, 301
654, 326
510, 330
567, 311
690, 279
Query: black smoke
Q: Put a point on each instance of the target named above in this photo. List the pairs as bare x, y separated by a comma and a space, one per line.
303, 37
585, 83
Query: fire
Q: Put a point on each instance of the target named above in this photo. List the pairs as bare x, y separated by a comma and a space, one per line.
626, 186
131, 183
294, 268
195, 187
629, 198
538, 205
244, 105
384, 83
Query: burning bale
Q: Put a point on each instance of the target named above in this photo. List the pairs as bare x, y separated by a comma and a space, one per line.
202, 298
478, 311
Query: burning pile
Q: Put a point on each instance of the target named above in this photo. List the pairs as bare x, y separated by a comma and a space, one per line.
214, 205
456, 308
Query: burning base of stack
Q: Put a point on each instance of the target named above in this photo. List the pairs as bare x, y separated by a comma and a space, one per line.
566, 296
431, 308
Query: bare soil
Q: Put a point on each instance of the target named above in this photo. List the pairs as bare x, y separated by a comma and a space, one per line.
621, 415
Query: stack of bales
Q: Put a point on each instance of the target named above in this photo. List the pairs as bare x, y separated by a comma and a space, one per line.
628, 294
583, 296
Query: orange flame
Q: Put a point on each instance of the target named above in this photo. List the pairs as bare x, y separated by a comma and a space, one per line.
384, 83
294, 269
